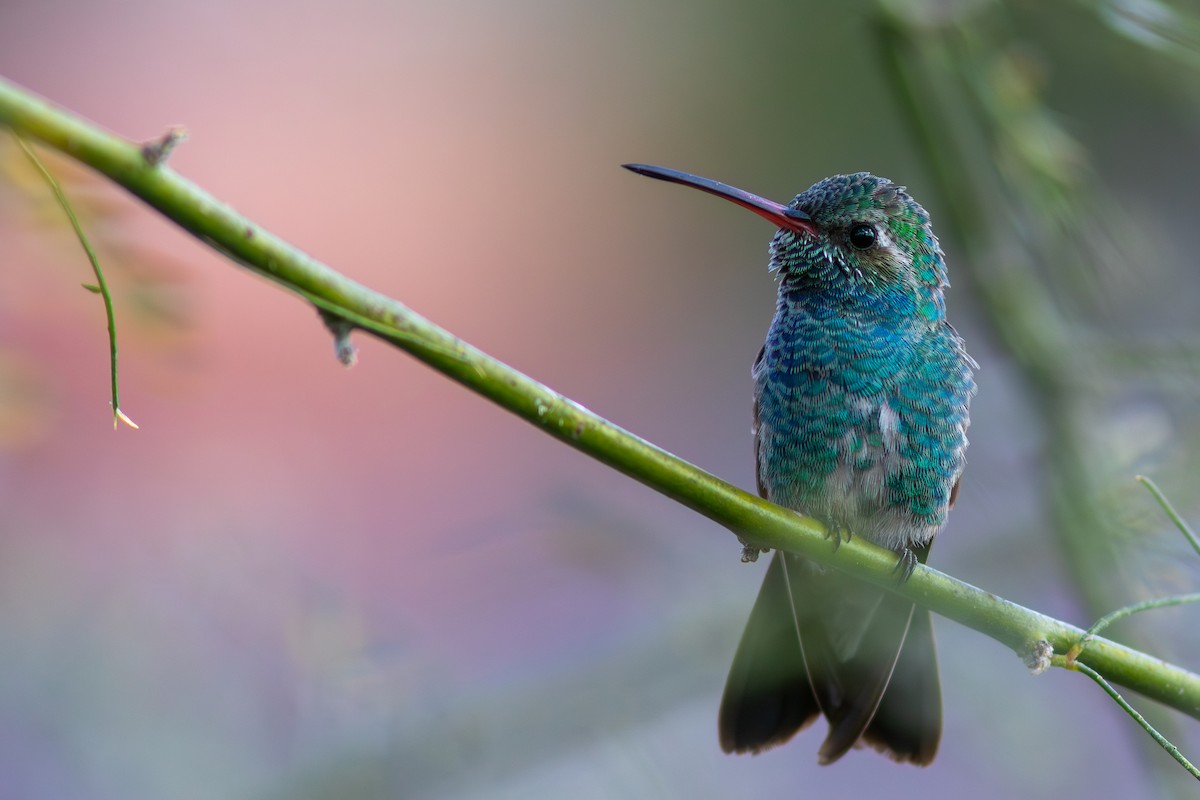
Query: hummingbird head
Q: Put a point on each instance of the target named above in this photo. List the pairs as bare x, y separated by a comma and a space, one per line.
858, 236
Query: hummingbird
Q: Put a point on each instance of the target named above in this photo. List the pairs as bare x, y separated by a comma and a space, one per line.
861, 406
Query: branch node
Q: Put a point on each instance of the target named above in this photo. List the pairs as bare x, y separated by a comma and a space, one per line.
341, 328
750, 552
1037, 657
157, 151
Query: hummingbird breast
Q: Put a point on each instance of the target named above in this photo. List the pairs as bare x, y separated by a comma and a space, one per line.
862, 423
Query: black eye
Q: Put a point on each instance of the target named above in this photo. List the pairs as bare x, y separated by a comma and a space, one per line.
862, 236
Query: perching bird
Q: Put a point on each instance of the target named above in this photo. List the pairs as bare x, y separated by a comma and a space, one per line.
861, 396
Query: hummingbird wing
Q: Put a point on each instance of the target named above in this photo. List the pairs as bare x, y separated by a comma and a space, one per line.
768, 696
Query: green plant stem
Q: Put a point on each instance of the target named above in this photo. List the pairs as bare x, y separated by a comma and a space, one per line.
750, 517
1162, 741
1137, 608
1174, 515
101, 286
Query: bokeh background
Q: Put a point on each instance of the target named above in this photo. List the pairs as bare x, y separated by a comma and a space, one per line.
301, 581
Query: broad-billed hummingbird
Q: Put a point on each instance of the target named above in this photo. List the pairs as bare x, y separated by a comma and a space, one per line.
861, 396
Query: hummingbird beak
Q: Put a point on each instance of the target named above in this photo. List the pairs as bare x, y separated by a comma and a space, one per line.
776, 213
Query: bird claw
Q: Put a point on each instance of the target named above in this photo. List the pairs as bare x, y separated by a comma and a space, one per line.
905, 565
837, 533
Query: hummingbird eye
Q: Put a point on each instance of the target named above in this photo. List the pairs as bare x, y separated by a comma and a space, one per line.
862, 236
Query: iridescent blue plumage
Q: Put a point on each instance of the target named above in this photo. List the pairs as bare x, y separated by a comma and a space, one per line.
862, 386
861, 409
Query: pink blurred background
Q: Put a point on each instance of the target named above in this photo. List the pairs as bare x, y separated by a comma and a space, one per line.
301, 581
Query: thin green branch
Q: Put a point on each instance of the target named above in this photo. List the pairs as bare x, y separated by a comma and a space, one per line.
1070, 660
1133, 712
1137, 608
1179, 521
100, 287
1128, 611
750, 517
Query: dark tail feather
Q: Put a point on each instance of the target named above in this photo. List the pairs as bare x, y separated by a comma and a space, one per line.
857, 681
908, 724
768, 697
820, 642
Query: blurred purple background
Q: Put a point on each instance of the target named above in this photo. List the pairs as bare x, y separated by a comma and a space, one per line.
301, 581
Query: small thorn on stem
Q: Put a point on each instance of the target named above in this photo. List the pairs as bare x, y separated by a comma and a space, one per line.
341, 329
157, 151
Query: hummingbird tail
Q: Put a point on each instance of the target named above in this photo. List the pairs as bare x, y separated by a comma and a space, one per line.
818, 642
873, 665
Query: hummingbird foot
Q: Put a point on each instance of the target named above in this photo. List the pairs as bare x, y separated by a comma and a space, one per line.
905, 565
836, 533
